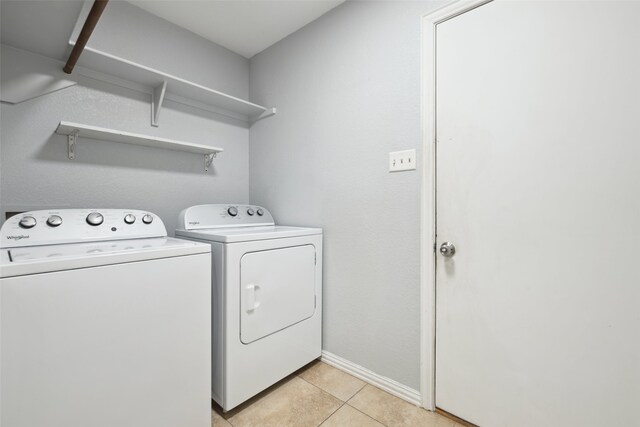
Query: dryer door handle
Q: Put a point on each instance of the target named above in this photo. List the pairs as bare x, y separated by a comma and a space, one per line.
251, 302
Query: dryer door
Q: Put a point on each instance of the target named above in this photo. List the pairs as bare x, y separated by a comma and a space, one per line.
277, 290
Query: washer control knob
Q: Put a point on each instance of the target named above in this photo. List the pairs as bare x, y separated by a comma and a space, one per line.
54, 221
27, 222
95, 218
233, 211
147, 219
129, 218
250, 211
260, 212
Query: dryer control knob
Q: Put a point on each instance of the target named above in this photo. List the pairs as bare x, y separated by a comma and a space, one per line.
27, 222
147, 219
95, 218
129, 218
233, 211
54, 221
250, 211
260, 212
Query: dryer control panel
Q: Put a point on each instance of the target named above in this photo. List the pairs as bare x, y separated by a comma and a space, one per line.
221, 216
52, 227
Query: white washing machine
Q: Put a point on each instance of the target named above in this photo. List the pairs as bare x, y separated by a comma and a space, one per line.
267, 296
105, 322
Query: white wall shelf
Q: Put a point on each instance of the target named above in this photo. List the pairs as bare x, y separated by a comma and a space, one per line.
75, 130
166, 86
25, 75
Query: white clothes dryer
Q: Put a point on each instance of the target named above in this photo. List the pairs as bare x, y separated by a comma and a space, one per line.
106, 322
266, 296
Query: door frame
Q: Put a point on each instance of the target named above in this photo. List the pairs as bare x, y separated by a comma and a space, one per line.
428, 194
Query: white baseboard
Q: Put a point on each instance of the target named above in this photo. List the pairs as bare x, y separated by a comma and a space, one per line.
383, 383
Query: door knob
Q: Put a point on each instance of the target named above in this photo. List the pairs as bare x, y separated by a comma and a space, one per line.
447, 249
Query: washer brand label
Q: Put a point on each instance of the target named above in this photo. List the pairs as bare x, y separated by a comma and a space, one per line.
18, 237
194, 222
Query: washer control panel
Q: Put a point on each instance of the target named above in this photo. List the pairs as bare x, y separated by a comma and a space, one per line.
221, 216
52, 227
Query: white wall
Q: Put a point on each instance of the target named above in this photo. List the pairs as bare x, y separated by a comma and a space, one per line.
34, 169
347, 88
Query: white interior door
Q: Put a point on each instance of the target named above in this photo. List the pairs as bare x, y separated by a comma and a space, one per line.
538, 188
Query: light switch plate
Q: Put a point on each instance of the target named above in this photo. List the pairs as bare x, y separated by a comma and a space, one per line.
402, 160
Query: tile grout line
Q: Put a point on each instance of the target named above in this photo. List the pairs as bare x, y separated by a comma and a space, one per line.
221, 416
344, 402
320, 388
363, 413
366, 415
258, 397
331, 414
359, 390
227, 420
326, 391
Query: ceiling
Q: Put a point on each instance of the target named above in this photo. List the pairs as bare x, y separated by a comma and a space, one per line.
246, 27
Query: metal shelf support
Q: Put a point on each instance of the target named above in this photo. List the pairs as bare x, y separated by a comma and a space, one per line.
72, 139
208, 160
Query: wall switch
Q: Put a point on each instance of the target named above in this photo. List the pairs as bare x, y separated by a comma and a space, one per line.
402, 160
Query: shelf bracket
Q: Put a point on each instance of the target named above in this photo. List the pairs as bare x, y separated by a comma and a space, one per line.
72, 139
157, 98
270, 112
208, 159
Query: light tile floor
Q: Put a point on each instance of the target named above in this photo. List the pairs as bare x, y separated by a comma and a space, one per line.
321, 395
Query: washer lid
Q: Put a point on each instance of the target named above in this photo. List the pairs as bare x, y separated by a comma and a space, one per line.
246, 234
41, 259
